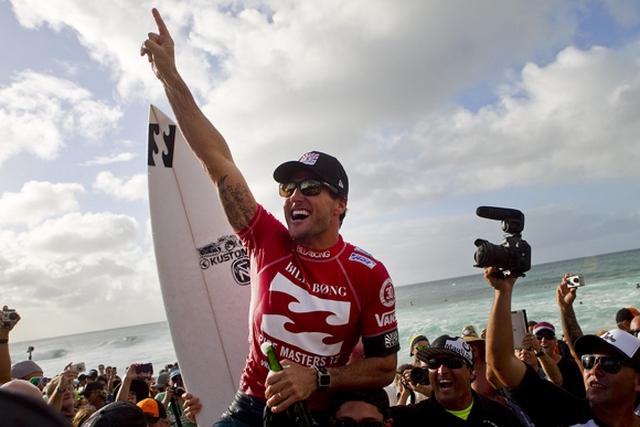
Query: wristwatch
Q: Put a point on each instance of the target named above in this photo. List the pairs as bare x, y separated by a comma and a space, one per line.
323, 378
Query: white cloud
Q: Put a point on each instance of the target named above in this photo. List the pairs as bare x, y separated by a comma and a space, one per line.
107, 160
37, 201
134, 188
38, 112
573, 120
90, 266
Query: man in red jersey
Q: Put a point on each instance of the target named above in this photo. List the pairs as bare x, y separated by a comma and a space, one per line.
315, 295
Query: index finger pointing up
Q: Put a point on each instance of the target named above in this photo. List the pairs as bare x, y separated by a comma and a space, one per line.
162, 28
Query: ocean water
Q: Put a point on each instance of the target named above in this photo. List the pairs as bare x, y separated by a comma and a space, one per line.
431, 308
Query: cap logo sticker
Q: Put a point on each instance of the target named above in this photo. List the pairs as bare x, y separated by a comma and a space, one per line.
340, 184
309, 158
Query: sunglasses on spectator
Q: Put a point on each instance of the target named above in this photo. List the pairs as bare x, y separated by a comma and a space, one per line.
547, 335
609, 364
348, 422
421, 347
308, 187
449, 362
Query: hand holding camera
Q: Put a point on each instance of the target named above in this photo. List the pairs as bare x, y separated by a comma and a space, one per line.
513, 256
8, 318
566, 291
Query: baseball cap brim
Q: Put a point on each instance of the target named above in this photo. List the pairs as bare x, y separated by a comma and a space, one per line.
431, 352
589, 344
284, 172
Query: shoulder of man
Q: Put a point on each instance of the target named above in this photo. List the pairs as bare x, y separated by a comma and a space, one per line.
406, 415
486, 410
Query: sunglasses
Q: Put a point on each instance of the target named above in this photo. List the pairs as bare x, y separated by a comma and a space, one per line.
308, 187
450, 362
348, 422
609, 364
547, 335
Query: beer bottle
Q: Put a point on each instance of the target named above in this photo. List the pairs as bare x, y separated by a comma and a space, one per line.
296, 415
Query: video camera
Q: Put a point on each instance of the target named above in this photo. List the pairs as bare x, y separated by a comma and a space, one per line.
8, 317
513, 255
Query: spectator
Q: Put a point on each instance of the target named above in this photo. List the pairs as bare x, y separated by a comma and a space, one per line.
624, 316
533, 354
22, 387
154, 411
417, 342
95, 394
571, 379
59, 394
25, 370
20, 410
117, 414
361, 408
172, 399
453, 401
610, 374
83, 415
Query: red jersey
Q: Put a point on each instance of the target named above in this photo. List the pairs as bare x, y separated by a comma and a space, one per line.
312, 305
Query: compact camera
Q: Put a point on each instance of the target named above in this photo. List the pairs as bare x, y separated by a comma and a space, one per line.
513, 255
575, 281
8, 317
419, 375
78, 367
144, 368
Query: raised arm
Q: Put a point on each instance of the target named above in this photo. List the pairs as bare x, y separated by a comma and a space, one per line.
565, 296
500, 356
5, 357
203, 138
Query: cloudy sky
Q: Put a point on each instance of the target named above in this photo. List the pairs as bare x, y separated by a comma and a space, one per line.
434, 107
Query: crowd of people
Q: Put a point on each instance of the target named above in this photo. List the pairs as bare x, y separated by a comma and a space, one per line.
550, 378
333, 303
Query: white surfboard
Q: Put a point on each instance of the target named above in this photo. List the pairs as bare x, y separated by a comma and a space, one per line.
203, 268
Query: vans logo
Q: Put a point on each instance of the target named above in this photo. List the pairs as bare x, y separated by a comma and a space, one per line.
362, 260
166, 147
386, 319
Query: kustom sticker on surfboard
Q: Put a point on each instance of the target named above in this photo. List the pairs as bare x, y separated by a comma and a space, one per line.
204, 270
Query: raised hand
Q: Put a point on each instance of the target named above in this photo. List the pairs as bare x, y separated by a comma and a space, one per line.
565, 296
160, 49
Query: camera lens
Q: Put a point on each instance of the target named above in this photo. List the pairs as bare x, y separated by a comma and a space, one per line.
490, 255
419, 376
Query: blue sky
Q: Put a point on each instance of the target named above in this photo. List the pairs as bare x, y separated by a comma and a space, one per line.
433, 107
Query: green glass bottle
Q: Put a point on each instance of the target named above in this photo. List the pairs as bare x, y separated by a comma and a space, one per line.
296, 415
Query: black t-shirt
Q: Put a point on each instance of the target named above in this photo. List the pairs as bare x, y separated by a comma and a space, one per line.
572, 380
485, 412
549, 405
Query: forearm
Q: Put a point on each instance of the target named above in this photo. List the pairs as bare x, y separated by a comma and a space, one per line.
551, 369
500, 357
570, 326
5, 357
370, 372
123, 392
55, 400
203, 138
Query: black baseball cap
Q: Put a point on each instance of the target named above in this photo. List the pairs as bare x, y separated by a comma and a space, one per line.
446, 345
324, 166
117, 414
376, 397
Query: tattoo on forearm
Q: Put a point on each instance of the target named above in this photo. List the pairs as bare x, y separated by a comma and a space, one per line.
236, 203
570, 325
